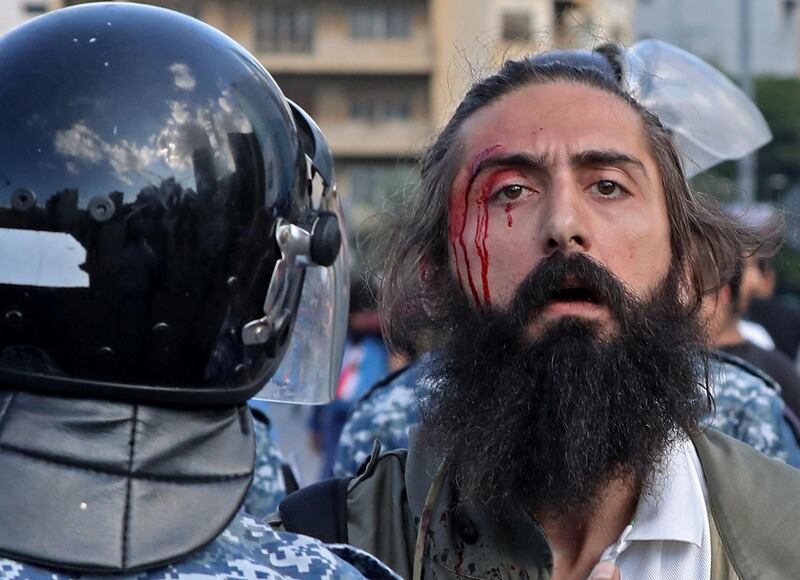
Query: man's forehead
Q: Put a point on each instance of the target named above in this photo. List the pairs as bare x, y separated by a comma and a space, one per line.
553, 119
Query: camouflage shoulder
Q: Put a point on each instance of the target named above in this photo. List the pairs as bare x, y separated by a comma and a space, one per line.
746, 407
246, 549
725, 358
385, 414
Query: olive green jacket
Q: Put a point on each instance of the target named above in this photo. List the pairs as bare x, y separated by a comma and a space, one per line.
400, 509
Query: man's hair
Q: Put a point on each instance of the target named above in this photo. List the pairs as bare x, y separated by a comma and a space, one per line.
704, 240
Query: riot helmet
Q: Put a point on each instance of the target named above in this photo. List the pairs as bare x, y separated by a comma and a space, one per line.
164, 211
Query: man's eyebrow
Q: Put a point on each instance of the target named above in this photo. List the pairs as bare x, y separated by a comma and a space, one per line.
606, 157
519, 160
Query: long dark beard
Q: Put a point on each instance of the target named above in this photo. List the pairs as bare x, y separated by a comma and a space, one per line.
548, 422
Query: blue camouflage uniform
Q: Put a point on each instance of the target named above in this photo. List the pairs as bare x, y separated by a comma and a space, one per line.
246, 549
747, 407
268, 488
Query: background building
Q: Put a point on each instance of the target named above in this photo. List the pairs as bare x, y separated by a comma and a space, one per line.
711, 29
15, 12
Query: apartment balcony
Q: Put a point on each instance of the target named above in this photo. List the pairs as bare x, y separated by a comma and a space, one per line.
338, 54
316, 37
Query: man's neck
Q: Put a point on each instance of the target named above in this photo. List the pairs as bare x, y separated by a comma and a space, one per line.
578, 540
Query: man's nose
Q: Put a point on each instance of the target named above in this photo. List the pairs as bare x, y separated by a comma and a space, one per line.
564, 225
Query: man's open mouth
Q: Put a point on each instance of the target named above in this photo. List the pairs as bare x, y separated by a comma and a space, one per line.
575, 290
574, 295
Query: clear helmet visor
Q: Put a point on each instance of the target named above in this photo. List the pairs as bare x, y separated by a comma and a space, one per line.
309, 370
711, 119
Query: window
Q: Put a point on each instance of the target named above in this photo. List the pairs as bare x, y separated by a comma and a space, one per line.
516, 26
565, 12
562, 8
372, 184
380, 107
380, 22
284, 29
188, 7
35, 8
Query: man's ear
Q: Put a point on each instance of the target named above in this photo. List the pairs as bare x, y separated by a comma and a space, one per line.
724, 297
768, 288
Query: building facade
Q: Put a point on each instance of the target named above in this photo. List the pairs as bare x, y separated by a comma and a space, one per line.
711, 29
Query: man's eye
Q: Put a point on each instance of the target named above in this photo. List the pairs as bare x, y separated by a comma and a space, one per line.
607, 188
510, 192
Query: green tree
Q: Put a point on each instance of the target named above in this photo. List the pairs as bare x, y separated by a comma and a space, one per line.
779, 102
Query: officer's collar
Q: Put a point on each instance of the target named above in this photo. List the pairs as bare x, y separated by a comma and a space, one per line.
115, 487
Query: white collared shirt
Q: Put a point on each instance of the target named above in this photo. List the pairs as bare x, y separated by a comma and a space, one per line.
670, 536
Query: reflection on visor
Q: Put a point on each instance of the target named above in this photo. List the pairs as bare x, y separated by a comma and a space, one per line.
309, 371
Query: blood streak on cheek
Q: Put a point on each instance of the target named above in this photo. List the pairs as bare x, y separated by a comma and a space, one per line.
481, 234
508, 209
459, 207
464, 252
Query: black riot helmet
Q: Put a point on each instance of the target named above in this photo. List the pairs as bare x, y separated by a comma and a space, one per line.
162, 206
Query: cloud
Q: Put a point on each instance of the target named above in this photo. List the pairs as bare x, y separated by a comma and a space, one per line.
80, 143
183, 77
186, 129
204, 127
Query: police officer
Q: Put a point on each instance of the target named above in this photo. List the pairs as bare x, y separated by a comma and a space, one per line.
162, 206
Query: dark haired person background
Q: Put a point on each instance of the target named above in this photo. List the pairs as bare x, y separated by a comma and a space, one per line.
728, 307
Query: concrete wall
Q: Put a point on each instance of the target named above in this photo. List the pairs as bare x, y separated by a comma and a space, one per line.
14, 12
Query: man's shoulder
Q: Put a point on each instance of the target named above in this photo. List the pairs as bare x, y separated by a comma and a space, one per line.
755, 501
721, 454
372, 507
379, 466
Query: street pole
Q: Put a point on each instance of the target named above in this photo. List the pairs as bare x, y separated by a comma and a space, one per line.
746, 167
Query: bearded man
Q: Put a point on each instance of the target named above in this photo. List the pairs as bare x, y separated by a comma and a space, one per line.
556, 257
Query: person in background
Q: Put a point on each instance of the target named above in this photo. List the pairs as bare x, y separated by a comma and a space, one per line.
769, 320
725, 310
365, 361
780, 318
